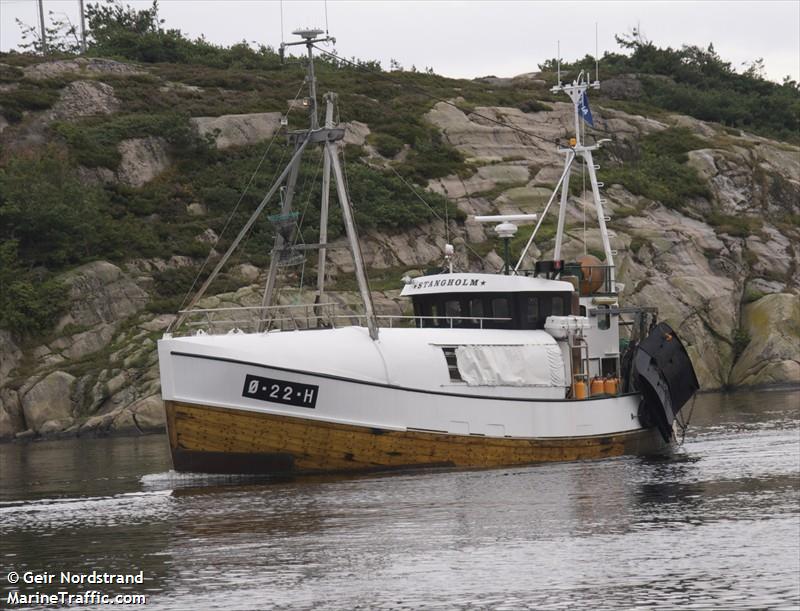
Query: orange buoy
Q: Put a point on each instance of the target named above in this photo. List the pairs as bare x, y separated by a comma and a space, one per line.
598, 388
579, 389
593, 274
610, 385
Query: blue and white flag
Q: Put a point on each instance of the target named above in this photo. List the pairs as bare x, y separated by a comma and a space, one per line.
584, 109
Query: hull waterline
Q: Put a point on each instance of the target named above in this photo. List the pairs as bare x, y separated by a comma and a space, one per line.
207, 439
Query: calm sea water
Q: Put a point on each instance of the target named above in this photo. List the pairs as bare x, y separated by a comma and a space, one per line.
717, 526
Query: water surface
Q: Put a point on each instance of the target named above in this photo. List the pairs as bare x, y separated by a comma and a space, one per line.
717, 526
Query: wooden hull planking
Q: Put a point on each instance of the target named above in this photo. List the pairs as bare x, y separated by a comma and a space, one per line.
205, 439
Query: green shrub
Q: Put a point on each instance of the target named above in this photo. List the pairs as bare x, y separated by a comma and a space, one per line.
30, 301
736, 226
751, 295
386, 145
28, 96
657, 168
740, 340
94, 141
533, 106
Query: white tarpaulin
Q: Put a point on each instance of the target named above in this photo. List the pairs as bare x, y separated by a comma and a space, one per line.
527, 365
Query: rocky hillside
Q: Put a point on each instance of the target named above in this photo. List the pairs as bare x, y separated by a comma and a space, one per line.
713, 244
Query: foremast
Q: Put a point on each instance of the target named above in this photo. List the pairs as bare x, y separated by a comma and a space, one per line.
326, 137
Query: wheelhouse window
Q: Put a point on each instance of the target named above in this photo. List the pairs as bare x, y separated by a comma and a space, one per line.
531, 312
476, 310
500, 307
452, 308
521, 310
434, 313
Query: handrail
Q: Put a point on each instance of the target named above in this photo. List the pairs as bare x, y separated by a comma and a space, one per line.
286, 318
272, 307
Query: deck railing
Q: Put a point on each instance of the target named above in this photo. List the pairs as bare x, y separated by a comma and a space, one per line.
295, 317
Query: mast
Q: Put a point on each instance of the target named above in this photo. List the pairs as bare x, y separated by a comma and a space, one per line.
283, 253
325, 136
330, 101
576, 91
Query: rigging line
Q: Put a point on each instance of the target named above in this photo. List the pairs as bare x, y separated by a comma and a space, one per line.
436, 214
431, 96
241, 198
299, 224
414, 191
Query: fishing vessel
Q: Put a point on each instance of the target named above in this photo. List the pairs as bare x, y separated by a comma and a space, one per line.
491, 369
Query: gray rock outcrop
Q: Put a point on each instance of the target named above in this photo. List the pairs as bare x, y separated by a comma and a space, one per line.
48, 400
100, 293
238, 130
772, 329
142, 160
12, 420
83, 99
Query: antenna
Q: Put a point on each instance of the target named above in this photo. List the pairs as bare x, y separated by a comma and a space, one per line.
596, 56
83, 27
307, 33
558, 61
43, 30
282, 38
310, 36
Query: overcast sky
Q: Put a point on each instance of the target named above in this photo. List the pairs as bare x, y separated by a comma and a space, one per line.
478, 38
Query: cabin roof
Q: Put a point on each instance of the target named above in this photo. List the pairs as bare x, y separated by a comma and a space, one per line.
482, 283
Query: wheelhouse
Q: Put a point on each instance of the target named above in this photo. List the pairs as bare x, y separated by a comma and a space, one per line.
489, 301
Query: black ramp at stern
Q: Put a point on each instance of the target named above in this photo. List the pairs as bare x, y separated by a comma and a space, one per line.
665, 376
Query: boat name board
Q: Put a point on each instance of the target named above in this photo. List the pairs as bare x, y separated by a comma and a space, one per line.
280, 391
448, 282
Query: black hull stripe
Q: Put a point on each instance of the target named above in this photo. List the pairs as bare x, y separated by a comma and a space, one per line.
380, 385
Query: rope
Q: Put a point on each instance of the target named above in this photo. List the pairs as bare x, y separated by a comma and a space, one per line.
433, 211
684, 426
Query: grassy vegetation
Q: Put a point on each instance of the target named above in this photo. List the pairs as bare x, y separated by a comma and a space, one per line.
656, 168
94, 141
28, 96
544, 238
737, 226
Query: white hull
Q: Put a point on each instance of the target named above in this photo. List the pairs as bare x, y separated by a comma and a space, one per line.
215, 375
